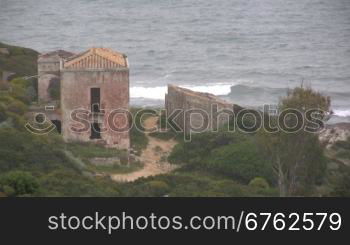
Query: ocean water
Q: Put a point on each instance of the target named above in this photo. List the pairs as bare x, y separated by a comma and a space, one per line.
247, 51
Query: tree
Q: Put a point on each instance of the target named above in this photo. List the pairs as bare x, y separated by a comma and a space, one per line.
297, 156
18, 183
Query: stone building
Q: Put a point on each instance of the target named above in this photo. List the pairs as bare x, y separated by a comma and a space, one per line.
49, 69
94, 94
197, 111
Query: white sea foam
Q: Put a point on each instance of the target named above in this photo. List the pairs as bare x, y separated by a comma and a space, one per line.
342, 113
160, 91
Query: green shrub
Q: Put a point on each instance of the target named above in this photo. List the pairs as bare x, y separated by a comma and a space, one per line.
157, 187
228, 188
72, 184
341, 185
18, 183
18, 93
15, 121
9, 191
230, 154
17, 107
202, 145
189, 183
22, 90
163, 135
241, 161
87, 150
259, 182
138, 139
27, 152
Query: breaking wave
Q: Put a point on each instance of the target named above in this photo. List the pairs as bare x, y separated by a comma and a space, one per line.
159, 92
342, 113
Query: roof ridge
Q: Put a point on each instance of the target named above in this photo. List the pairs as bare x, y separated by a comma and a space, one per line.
117, 58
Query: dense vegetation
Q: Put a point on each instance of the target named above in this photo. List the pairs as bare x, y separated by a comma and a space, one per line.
212, 164
190, 183
290, 164
233, 155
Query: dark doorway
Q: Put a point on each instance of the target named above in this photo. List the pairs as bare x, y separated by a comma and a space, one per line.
95, 131
57, 123
95, 99
95, 108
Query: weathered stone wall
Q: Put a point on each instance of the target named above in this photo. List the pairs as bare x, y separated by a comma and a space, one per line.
49, 66
45, 82
47, 70
114, 94
193, 106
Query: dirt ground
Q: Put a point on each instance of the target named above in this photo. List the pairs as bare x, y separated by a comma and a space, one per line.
154, 157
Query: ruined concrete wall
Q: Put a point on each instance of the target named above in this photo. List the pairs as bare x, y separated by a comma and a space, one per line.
114, 94
193, 105
175, 99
